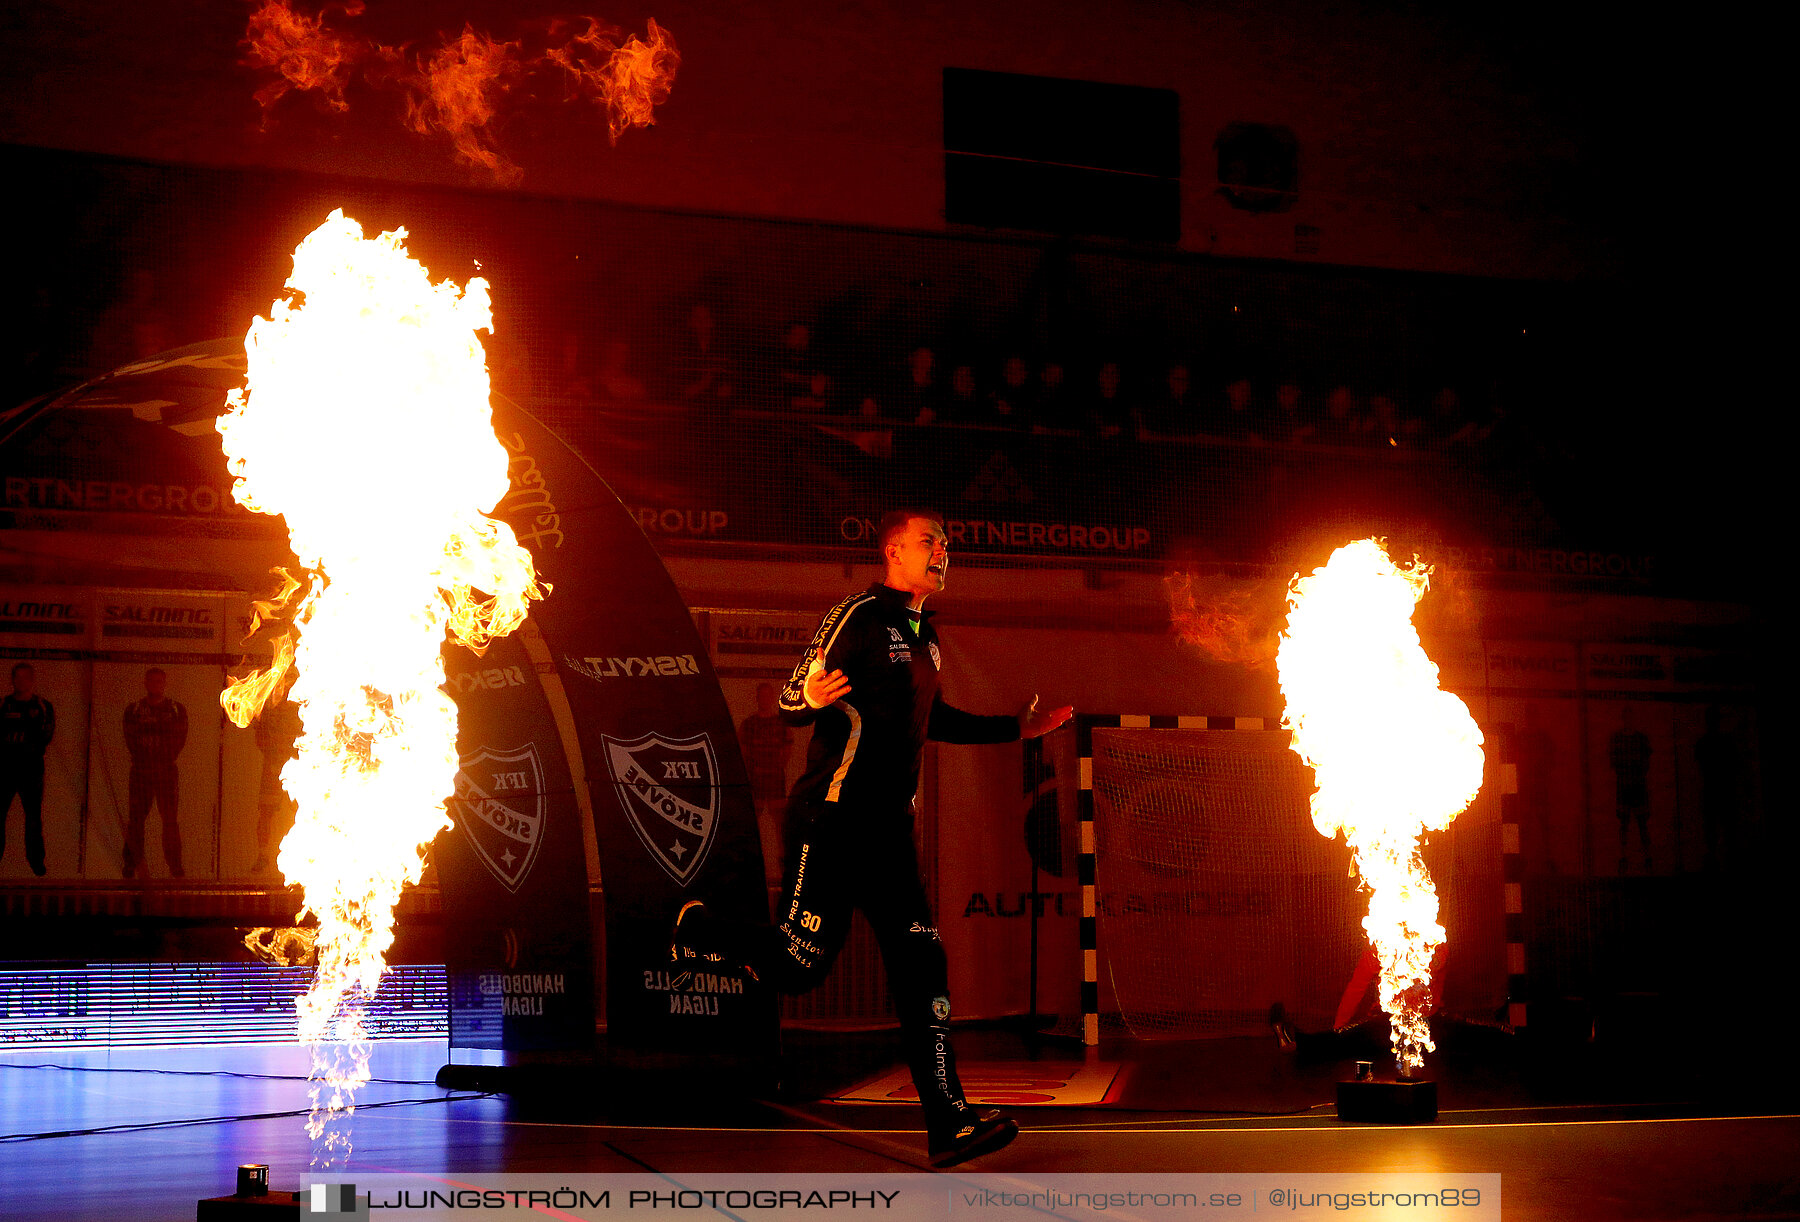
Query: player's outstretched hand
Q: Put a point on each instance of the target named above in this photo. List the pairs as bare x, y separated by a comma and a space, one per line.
825, 686
1035, 722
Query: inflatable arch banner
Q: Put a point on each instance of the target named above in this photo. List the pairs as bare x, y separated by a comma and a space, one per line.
602, 723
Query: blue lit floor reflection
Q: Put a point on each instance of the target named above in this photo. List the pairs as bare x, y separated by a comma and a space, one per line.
91, 1135
146, 1132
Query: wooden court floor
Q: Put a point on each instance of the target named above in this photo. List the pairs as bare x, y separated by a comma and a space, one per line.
145, 1133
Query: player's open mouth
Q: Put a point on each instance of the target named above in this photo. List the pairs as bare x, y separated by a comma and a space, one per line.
935, 568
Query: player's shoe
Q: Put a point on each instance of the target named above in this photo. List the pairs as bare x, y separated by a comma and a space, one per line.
978, 1133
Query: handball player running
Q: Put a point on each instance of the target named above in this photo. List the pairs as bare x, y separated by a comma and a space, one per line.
868, 684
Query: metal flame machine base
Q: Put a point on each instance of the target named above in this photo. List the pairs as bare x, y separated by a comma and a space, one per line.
1402, 1101
269, 1207
253, 1202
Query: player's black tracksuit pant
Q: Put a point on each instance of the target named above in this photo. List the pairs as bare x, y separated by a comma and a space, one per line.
843, 861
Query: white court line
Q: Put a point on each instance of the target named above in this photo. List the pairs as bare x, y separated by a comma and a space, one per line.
1195, 1126
1281, 1119
667, 1128
1448, 1128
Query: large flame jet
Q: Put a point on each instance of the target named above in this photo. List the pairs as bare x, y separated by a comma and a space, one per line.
365, 423
1393, 757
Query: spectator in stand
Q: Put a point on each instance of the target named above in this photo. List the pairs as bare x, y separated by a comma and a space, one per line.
964, 404
915, 398
794, 365
1010, 401
1056, 408
1107, 413
1393, 429
1172, 412
615, 378
1241, 420
134, 326
1291, 426
570, 380
820, 398
1496, 436
704, 376
1451, 428
1344, 424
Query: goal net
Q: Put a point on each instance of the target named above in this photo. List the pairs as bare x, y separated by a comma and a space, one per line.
1215, 897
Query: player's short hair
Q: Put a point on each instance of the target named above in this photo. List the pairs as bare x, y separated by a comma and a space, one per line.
155, 670
19, 666
894, 521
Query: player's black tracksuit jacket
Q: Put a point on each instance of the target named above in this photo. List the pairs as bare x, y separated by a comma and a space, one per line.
867, 747
850, 825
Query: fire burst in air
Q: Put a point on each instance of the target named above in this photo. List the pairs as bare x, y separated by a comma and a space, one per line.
465, 85
1393, 756
366, 425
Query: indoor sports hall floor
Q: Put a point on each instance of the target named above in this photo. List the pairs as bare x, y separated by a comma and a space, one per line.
144, 1133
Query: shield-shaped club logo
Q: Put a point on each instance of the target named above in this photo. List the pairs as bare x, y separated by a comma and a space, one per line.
669, 789
499, 804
